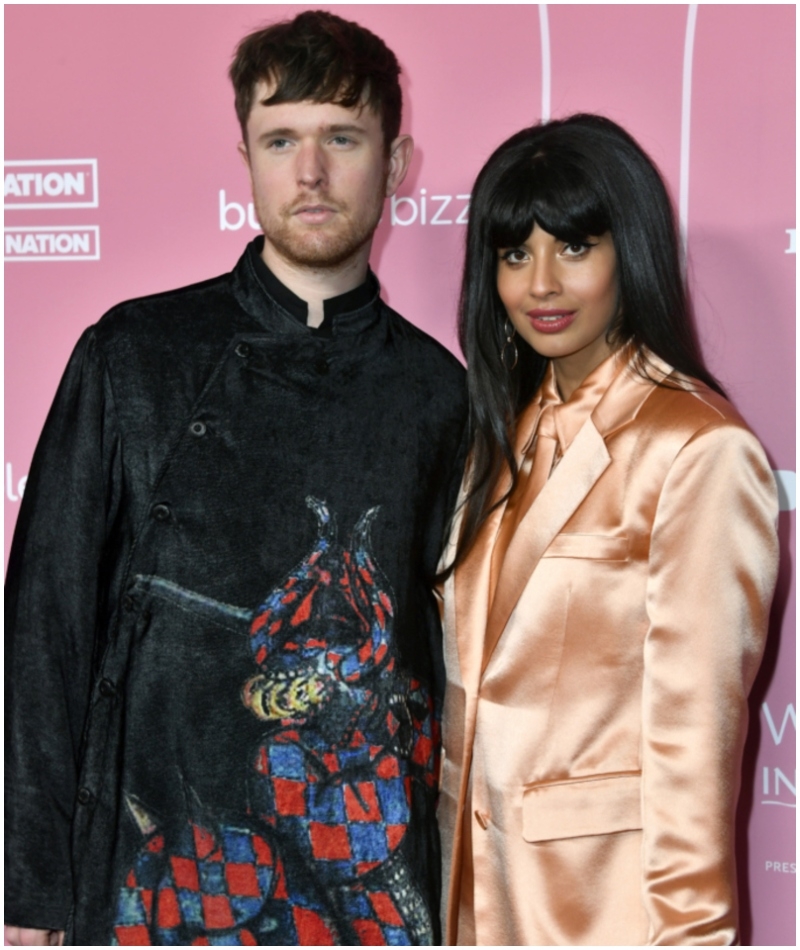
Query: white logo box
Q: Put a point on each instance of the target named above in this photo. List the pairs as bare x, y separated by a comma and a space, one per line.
51, 183
62, 243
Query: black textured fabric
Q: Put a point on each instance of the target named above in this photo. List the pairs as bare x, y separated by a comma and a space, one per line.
196, 443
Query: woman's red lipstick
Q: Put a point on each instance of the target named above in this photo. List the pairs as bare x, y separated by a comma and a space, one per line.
550, 321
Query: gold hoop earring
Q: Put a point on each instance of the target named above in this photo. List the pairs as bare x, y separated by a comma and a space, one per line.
510, 332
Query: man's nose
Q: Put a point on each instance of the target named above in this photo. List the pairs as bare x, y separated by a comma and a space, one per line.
311, 166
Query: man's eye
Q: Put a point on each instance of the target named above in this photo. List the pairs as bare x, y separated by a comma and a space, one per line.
278, 144
342, 140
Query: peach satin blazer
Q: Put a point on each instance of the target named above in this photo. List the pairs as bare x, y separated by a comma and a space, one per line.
594, 724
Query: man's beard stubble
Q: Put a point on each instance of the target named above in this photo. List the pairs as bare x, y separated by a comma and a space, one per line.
314, 248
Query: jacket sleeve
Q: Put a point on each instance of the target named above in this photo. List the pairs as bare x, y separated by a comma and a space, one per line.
713, 565
53, 599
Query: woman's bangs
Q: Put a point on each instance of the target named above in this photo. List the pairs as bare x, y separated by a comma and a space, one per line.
561, 201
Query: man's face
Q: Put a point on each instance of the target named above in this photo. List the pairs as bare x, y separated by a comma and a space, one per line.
320, 175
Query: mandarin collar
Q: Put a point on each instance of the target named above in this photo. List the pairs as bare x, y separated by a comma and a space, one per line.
351, 310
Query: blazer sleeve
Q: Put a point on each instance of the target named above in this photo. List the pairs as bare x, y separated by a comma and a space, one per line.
53, 595
713, 566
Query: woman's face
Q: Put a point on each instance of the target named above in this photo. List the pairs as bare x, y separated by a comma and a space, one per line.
562, 298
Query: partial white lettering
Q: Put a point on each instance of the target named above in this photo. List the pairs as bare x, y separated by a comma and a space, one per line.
437, 218
788, 716
10, 484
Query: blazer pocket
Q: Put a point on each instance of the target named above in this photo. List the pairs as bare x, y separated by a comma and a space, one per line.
601, 547
592, 806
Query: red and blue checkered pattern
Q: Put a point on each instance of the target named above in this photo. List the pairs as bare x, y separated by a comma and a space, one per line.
211, 886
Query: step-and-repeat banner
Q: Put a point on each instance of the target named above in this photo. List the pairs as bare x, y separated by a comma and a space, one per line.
122, 178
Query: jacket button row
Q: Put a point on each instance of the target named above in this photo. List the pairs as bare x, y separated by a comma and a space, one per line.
107, 688
84, 796
198, 428
243, 349
483, 820
321, 366
160, 512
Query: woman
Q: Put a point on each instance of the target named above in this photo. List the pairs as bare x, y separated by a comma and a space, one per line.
610, 569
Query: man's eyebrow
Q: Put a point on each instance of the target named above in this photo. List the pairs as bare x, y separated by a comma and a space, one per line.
335, 129
344, 127
285, 131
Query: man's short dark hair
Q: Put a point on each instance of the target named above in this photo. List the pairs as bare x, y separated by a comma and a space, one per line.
318, 56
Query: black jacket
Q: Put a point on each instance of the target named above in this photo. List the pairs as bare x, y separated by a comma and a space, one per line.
222, 653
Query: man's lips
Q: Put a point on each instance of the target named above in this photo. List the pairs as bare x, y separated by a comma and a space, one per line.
312, 208
551, 321
314, 213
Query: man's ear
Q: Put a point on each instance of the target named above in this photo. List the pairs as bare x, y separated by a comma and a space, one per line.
400, 152
244, 154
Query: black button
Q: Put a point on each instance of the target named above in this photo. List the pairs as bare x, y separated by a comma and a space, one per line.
84, 796
127, 602
161, 512
243, 349
198, 428
107, 688
321, 367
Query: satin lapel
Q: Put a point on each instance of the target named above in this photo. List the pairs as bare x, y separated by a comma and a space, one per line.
584, 462
471, 579
566, 488
625, 395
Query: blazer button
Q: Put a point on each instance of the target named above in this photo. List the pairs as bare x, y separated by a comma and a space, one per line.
160, 512
198, 428
107, 688
243, 349
483, 820
85, 797
128, 603
321, 366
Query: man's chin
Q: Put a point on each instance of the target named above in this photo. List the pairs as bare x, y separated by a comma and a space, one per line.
319, 254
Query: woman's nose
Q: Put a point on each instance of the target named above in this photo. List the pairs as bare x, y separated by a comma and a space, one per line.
544, 280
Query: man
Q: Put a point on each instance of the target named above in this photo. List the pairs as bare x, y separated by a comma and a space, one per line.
225, 662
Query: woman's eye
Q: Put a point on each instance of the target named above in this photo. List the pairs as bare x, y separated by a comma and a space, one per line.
514, 255
577, 248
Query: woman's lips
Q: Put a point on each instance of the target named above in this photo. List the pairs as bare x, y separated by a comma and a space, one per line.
550, 321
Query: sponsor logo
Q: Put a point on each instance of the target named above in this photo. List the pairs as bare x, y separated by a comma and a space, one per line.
781, 867
429, 209
233, 215
67, 243
11, 495
776, 787
58, 183
792, 248
422, 209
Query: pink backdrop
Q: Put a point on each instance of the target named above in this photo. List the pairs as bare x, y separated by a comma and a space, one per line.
142, 90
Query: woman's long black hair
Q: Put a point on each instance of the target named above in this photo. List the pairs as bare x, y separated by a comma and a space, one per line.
576, 178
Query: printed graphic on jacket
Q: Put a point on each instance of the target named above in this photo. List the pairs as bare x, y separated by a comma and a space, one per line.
349, 744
